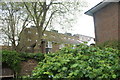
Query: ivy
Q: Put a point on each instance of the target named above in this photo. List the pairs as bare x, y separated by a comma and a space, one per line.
82, 62
113, 44
36, 56
13, 58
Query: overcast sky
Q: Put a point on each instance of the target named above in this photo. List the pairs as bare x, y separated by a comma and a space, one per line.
85, 24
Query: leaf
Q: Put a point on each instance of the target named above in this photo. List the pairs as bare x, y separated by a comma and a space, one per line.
64, 68
74, 65
114, 76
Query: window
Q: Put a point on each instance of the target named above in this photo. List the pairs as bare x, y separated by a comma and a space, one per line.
29, 39
49, 44
29, 31
28, 47
36, 40
36, 33
45, 34
61, 46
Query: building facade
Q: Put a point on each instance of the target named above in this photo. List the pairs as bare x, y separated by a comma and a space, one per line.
106, 21
52, 41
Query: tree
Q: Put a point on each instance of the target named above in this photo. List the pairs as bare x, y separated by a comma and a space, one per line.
44, 13
13, 21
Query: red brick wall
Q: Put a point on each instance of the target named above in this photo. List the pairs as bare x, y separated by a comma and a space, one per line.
6, 70
5, 48
55, 47
106, 23
27, 67
119, 22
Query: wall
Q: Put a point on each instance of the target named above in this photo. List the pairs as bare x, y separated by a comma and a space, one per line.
7, 71
5, 48
119, 22
106, 23
55, 47
27, 67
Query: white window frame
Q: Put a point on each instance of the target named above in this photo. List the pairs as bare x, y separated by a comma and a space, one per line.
49, 44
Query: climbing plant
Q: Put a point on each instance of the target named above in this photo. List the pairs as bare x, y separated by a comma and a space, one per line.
13, 58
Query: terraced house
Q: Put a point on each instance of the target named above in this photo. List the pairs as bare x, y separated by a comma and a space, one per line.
51, 40
106, 20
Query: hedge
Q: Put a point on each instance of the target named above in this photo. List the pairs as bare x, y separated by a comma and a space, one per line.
83, 62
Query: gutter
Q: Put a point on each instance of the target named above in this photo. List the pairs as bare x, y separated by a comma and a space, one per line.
100, 5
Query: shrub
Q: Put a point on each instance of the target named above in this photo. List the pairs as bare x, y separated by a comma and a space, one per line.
112, 44
81, 62
36, 56
12, 59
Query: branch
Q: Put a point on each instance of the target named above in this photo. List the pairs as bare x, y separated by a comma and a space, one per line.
8, 34
44, 15
30, 12
23, 26
49, 21
49, 5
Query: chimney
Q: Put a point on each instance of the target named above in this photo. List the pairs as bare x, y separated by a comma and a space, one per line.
76, 35
33, 26
55, 31
69, 34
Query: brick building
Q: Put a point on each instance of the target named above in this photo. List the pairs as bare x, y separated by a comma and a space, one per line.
106, 21
51, 40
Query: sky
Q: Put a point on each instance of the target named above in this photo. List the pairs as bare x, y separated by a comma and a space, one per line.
85, 23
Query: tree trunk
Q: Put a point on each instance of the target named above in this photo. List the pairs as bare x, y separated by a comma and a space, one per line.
37, 48
13, 45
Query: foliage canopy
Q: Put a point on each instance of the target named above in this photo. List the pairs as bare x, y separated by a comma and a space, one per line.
81, 62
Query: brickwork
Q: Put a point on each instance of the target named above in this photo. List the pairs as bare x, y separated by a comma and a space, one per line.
119, 22
6, 71
55, 47
106, 23
5, 48
27, 67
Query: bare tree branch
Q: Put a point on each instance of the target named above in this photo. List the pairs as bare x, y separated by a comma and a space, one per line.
30, 12
49, 21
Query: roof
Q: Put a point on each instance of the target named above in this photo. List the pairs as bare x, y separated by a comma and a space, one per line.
97, 7
50, 36
60, 38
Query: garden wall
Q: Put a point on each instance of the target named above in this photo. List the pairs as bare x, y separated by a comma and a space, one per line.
27, 67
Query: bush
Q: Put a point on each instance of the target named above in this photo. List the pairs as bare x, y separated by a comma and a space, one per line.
12, 59
36, 56
112, 44
81, 62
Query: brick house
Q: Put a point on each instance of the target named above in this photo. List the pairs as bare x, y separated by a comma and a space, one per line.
106, 21
51, 40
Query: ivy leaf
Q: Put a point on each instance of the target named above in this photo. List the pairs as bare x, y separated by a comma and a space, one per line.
114, 76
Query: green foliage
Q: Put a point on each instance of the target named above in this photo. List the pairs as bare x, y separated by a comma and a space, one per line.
112, 44
36, 56
12, 59
81, 62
